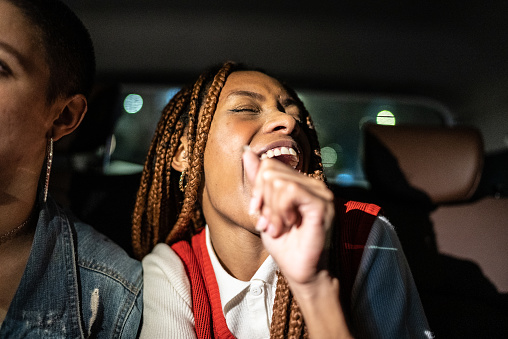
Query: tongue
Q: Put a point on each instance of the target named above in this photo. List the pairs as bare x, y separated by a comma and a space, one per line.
288, 159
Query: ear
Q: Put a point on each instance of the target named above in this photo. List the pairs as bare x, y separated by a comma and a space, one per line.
180, 160
70, 116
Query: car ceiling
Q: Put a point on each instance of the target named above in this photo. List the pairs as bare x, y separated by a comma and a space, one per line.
452, 51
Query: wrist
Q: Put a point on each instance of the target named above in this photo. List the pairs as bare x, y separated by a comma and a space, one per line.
323, 284
319, 302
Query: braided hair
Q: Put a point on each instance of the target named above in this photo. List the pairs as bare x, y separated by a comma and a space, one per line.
163, 213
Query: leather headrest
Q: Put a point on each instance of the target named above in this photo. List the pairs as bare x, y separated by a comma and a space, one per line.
444, 163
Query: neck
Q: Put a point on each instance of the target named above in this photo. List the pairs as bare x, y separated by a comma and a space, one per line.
240, 252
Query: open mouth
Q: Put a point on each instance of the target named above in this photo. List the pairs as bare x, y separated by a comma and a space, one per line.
287, 155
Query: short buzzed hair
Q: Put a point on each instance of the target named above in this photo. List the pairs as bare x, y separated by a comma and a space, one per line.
68, 47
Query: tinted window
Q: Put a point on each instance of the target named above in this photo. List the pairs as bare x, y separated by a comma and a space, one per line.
338, 118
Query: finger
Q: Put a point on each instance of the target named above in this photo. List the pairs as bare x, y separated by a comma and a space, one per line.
281, 205
271, 170
288, 204
275, 225
251, 164
277, 203
282, 194
262, 224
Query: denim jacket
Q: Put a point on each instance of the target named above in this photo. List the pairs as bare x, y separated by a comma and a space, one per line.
77, 284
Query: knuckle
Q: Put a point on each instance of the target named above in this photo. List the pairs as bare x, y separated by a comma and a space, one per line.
278, 183
267, 173
292, 188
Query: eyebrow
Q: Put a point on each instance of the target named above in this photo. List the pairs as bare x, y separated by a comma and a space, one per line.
12, 51
249, 94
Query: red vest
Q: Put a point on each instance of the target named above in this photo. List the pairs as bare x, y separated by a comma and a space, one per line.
353, 224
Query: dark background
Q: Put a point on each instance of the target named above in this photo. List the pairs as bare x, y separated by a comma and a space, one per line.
452, 51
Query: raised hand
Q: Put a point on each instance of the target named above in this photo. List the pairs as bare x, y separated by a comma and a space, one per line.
295, 213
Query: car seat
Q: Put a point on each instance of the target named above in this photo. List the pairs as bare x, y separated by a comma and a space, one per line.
419, 175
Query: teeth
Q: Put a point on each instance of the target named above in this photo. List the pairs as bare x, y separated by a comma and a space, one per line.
275, 152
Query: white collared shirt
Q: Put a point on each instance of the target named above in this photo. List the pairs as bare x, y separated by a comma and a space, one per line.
247, 305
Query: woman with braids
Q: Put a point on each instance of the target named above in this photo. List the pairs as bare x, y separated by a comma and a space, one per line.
241, 236
59, 278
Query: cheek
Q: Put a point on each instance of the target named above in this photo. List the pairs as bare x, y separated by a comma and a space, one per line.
23, 136
25, 106
227, 140
223, 155
19, 122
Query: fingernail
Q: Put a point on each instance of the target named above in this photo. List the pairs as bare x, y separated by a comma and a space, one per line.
246, 148
261, 224
252, 207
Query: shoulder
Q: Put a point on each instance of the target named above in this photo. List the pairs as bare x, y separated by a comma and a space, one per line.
164, 266
97, 253
354, 221
385, 301
108, 282
383, 233
167, 299
111, 284
92, 251
163, 255
364, 222
383, 255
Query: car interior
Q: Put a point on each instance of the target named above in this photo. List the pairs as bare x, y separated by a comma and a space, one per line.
410, 102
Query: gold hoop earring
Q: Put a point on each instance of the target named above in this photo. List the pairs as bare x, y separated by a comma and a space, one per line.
49, 162
181, 184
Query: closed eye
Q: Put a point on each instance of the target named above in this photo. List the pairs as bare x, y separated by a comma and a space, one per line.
4, 70
245, 109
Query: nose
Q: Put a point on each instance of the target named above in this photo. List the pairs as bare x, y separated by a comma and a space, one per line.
280, 122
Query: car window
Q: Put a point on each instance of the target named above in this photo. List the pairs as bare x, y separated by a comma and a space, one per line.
338, 118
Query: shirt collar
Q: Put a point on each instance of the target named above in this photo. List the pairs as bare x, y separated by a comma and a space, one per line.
229, 286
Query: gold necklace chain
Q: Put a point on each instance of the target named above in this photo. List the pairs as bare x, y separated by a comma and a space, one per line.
14, 232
